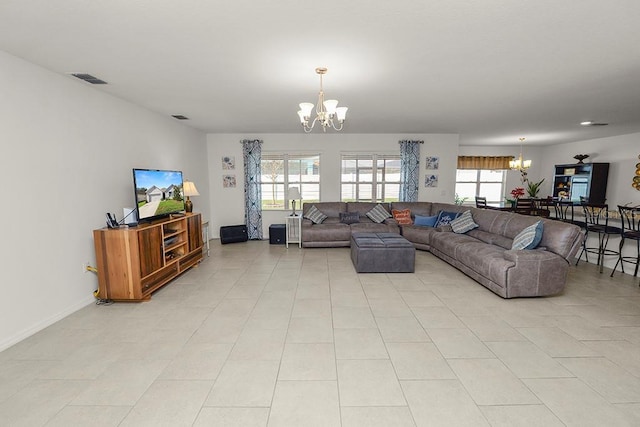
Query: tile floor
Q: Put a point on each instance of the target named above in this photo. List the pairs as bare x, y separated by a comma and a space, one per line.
259, 335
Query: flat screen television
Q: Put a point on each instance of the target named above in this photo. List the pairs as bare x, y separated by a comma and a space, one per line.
158, 193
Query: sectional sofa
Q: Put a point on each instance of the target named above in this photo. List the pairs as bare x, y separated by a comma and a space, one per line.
483, 253
333, 233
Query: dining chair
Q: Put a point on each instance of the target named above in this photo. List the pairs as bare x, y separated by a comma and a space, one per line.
481, 202
525, 206
542, 207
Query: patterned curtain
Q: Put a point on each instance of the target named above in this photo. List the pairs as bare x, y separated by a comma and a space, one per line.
409, 170
252, 153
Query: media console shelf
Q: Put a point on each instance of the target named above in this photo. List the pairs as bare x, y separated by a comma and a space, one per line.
134, 262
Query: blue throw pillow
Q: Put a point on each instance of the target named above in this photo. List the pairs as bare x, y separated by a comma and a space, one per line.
426, 221
529, 238
445, 218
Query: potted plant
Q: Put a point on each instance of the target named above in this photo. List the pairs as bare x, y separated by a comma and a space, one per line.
533, 188
459, 200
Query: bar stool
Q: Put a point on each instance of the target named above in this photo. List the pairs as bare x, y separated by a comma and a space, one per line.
597, 221
630, 217
564, 212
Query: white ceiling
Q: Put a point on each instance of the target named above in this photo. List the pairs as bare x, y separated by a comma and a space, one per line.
491, 70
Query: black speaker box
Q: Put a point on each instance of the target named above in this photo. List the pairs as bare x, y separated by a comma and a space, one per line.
233, 234
277, 234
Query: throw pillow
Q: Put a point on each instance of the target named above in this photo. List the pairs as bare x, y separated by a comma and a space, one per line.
528, 238
463, 223
426, 221
403, 217
445, 218
315, 215
349, 217
378, 214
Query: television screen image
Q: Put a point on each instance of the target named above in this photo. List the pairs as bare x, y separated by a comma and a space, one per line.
158, 193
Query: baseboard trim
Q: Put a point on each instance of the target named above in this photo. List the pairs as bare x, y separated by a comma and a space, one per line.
26, 333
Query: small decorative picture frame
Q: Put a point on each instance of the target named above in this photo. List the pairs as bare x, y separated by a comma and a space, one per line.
431, 181
228, 162
432, 162
229, 181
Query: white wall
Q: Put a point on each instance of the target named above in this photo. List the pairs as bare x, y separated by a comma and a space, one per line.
68, 151
227, 204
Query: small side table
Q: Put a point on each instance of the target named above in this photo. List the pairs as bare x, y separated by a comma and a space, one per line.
294, 230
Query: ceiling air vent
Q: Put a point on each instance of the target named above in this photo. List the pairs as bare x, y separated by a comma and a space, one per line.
179, 117
592, 123
89, 78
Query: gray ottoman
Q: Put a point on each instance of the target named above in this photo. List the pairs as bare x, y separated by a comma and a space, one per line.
382, 253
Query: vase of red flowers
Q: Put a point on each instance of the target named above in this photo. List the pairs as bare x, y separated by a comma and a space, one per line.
516, 193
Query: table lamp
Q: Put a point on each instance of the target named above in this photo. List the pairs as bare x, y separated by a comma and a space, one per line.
293, 195
189, 189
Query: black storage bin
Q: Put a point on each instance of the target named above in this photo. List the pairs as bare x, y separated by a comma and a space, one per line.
233, 234
277, 234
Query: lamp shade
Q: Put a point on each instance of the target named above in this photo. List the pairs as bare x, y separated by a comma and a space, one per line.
306, 108
341, 113
331, 105
294, 193
189, 189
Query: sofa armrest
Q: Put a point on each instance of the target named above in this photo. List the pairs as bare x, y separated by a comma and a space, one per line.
536, 272
539, 254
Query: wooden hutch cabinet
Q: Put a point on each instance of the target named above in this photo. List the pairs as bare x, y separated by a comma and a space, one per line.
134, 262
581, 180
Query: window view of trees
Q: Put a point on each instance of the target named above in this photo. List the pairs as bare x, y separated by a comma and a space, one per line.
370, 178
480, 182
281, 171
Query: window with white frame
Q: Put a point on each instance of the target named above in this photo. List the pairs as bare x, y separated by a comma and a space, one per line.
370, 178
281, 171
480, 182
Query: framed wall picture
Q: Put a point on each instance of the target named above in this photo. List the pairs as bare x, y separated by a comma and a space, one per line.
431, 181
432, 162
228, 162
229, 181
